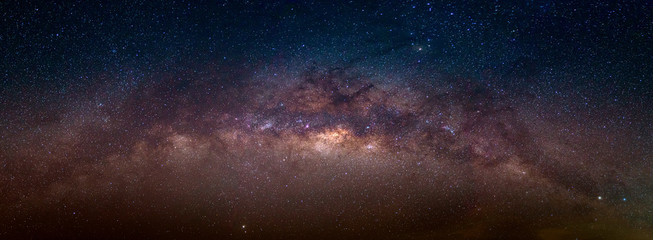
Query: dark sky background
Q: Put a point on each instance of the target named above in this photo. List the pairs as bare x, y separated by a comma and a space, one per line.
326, 119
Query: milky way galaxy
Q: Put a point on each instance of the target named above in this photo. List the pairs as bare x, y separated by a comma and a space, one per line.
310, 131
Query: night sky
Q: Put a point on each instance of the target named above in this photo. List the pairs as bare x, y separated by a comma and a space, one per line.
326, 120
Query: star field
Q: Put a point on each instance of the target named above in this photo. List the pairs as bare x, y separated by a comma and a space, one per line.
325, 120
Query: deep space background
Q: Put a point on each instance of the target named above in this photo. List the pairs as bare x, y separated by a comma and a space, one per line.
326, 120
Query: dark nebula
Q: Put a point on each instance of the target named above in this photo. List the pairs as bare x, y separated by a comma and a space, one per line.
325, 120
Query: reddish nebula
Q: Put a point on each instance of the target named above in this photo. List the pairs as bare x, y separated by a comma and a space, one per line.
321, 152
